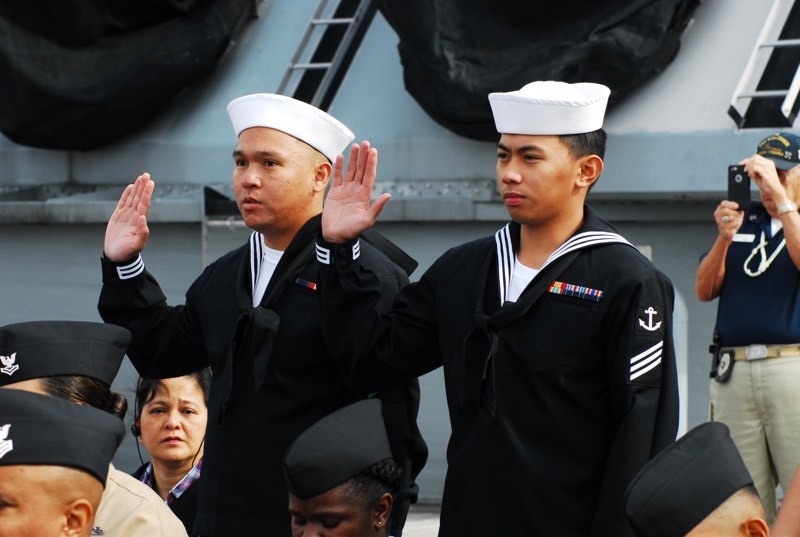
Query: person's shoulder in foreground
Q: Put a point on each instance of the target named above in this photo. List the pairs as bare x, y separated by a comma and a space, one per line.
134, 509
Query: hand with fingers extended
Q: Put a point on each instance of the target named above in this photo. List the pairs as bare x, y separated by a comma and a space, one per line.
127, 231
348, 212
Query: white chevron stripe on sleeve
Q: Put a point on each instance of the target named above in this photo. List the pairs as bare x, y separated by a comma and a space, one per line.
646, 361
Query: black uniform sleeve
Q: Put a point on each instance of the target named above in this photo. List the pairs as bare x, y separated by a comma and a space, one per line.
400, 397
643, 380
165, 342
409, 450
380, 346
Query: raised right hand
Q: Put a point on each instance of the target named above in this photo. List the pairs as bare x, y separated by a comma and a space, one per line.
347, 211
127, 231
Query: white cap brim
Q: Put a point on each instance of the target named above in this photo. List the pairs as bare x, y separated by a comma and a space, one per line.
318, 129
550, 108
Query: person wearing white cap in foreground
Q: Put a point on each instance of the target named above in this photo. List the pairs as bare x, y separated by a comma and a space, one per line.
253, 316
555, 334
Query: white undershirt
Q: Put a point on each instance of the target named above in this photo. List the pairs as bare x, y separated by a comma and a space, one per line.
269, 260
520, 279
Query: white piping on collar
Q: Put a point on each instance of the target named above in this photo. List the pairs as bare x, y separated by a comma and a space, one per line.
506, 254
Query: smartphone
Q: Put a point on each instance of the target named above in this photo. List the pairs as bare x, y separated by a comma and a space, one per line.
739, 186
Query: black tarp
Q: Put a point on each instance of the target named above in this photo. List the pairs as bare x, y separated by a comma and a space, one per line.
79, 74
455, 52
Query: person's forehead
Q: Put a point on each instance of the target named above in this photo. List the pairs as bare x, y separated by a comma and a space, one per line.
181, 384
14, 472
258, 140
544, 142
266, 133
334, 500
179, 388
26, 479
39, 493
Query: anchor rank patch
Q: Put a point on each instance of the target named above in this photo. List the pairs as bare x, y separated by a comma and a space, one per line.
650, 319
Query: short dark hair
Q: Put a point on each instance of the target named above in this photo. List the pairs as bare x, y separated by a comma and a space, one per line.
146, 389
587, 143
373, 482
86, 391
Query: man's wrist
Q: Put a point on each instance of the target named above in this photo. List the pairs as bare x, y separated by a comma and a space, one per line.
340, 253
125, 270
787, 207
335, 239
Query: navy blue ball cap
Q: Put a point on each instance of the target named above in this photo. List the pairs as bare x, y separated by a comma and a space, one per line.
336, 448
37, 349
683, 484
38, 429
782, 148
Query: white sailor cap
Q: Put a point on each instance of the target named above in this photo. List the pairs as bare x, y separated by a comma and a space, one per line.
550, 107
318, 129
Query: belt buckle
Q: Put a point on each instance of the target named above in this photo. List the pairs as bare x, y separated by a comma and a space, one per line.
755, 352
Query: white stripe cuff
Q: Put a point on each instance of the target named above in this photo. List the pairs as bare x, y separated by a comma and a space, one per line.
131, 270
323, 255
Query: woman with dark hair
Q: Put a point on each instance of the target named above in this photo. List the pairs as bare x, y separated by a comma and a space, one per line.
170, 422
347, 488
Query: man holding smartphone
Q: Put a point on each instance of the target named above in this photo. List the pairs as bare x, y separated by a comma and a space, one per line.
754, 268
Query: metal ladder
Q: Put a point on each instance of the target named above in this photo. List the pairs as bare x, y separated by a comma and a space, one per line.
769, 43
326, 49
